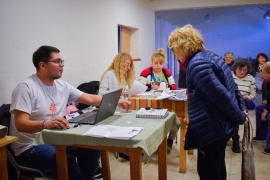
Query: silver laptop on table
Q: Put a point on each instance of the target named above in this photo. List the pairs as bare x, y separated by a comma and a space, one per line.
106, 109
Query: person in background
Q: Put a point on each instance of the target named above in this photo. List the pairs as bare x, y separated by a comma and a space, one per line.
215, 105
262, 111
246, 85
182, 77
229, 59
39, 102
257, 67
152, 76
120, 74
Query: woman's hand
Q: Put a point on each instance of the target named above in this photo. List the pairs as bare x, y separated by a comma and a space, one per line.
246, 113
155, 85
124, 104
123, 92
263, 116
245, 97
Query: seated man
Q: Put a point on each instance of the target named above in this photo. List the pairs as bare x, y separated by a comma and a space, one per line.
262, 111
38, 103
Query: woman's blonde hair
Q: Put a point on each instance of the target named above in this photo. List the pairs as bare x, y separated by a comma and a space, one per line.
118, 65
160, 55
186, 41
266, 67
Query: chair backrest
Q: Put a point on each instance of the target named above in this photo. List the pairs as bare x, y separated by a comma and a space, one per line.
5, 115
91, 87
18, 169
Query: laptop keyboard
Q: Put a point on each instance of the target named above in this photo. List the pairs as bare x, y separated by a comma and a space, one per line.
89, 119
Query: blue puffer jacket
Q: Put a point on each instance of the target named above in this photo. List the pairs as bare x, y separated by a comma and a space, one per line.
215, 105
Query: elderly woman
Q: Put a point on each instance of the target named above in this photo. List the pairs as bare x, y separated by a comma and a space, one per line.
247, 87
215, 105
229, 59
245, 81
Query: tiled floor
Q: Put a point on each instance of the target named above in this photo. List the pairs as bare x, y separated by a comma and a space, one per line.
120, 167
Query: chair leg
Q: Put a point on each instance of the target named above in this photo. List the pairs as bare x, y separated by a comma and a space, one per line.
176, 138
116, 155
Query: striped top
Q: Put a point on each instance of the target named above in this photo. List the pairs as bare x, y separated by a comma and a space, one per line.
246, 85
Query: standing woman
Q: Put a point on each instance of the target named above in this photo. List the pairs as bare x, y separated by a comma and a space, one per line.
152, 76
215, 105
257, 68
246, 85
120, 74
229, 59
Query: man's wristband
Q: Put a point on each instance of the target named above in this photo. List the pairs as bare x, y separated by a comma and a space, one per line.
43, 125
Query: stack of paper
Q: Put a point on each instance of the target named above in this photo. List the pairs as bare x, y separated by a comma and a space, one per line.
152, 113
113, 132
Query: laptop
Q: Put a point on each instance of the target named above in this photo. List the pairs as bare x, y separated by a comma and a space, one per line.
94, 115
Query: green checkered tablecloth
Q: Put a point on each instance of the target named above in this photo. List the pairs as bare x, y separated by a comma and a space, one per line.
153, 133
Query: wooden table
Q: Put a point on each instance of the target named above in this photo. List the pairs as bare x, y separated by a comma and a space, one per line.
3, 155
151, 138
180, 108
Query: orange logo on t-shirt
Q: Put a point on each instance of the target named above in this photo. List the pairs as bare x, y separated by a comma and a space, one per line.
53, 108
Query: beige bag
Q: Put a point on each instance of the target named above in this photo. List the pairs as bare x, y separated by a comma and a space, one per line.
248, 167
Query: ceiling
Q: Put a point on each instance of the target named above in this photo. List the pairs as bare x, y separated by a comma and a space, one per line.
197, 15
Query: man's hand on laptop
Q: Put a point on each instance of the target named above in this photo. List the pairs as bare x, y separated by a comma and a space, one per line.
124, 104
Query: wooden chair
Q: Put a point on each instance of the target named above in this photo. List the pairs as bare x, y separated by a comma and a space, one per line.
20, 170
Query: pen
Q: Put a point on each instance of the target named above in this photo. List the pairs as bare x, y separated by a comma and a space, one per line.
133, 130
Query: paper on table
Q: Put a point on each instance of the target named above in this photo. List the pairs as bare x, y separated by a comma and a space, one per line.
148, 93
182, 96
136, 88
113, 132
164, 96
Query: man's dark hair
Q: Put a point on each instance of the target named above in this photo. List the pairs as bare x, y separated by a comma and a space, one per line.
43, 54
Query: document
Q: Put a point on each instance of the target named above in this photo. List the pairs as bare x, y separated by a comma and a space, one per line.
164, 96
113, 132
181, 96
136, 88
150, 94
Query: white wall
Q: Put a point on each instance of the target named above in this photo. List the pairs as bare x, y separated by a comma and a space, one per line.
85, 31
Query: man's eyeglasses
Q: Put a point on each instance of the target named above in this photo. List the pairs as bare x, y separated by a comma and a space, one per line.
60, 62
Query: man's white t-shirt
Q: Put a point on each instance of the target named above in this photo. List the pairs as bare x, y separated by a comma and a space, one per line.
42, 102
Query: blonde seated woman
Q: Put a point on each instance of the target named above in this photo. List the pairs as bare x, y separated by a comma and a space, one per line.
120, 74
152, 76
